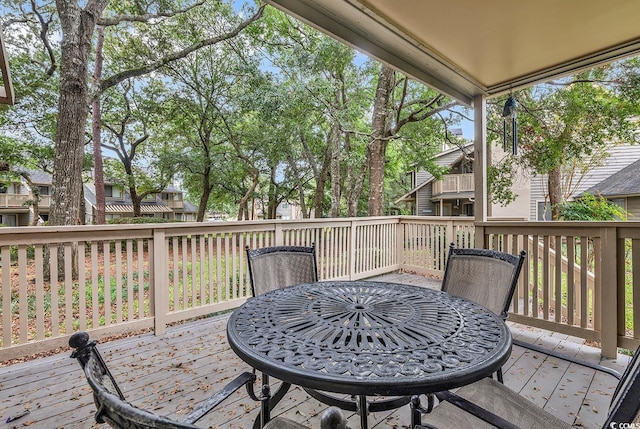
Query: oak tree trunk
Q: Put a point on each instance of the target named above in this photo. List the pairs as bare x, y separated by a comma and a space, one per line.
77, 27
98, 168
321, 182
376, 150
243, 210
334, 143
555, 191
355, 182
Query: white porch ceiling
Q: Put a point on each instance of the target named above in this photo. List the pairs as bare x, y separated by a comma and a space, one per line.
465, 48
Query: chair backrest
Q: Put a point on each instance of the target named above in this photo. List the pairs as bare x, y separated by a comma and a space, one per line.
487, 277
625, 404
112, 407
272, 268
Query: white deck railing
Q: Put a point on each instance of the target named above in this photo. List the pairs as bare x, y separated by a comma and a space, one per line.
121, 278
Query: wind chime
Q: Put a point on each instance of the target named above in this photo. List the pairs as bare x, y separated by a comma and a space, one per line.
510, 111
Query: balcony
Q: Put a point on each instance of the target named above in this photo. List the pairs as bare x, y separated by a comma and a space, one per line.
13, 200
120, 278
174, 204
193, 359
453, 183
578, 285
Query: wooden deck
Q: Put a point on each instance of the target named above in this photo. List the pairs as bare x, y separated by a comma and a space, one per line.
170, 374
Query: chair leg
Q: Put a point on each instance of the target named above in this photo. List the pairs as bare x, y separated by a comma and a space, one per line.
499, 375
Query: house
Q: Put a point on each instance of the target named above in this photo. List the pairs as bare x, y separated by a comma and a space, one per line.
287, 211
622, 188
168, 204
13, 196
17, 208
453, 195
620, 157
450, 196
16, 199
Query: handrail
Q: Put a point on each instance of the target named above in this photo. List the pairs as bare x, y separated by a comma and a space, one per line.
130, 277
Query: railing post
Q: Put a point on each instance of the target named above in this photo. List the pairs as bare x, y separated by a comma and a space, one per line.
159, 285
400, 243
606, 292
279, 235
479, 237
450, 236
352, 250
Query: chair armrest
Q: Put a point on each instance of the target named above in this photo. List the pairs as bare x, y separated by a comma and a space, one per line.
568, 358
475, 410
243, 379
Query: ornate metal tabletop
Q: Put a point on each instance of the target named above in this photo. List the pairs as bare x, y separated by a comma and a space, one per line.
369, 338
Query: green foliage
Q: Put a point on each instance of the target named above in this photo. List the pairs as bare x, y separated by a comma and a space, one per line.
591, 207
500, 177
565, 127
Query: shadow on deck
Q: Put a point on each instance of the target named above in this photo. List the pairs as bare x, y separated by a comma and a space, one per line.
170, 374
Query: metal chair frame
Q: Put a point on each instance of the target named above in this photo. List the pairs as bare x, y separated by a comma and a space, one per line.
269, 252
625, 406
516, 261
113, 408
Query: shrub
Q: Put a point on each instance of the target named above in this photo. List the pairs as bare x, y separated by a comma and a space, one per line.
591, 208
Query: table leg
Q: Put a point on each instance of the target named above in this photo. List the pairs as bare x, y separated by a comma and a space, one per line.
417, 409
265, 396
363, 410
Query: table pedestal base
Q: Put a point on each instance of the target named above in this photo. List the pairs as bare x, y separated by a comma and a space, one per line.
359, 404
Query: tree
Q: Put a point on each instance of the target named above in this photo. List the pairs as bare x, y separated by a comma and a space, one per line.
566, 126
395, 106
19, 159
228, 111
132, 118
77, 25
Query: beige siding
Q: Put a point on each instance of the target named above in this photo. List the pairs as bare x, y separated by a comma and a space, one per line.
619, 157
633, 207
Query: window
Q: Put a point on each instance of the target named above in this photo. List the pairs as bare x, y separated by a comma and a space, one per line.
467, 209
8, 220
44, 190
622, 202
112, 191
544, 211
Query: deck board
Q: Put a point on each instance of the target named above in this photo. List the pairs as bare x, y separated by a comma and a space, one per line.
172, 373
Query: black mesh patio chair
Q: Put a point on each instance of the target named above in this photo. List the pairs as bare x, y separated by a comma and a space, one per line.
113, 409
489, 404
487, 277
272, 268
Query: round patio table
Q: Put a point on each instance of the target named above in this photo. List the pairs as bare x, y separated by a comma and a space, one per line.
368, 338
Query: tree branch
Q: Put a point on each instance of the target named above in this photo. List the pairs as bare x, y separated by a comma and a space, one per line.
144, 16
140, 71
44, 29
